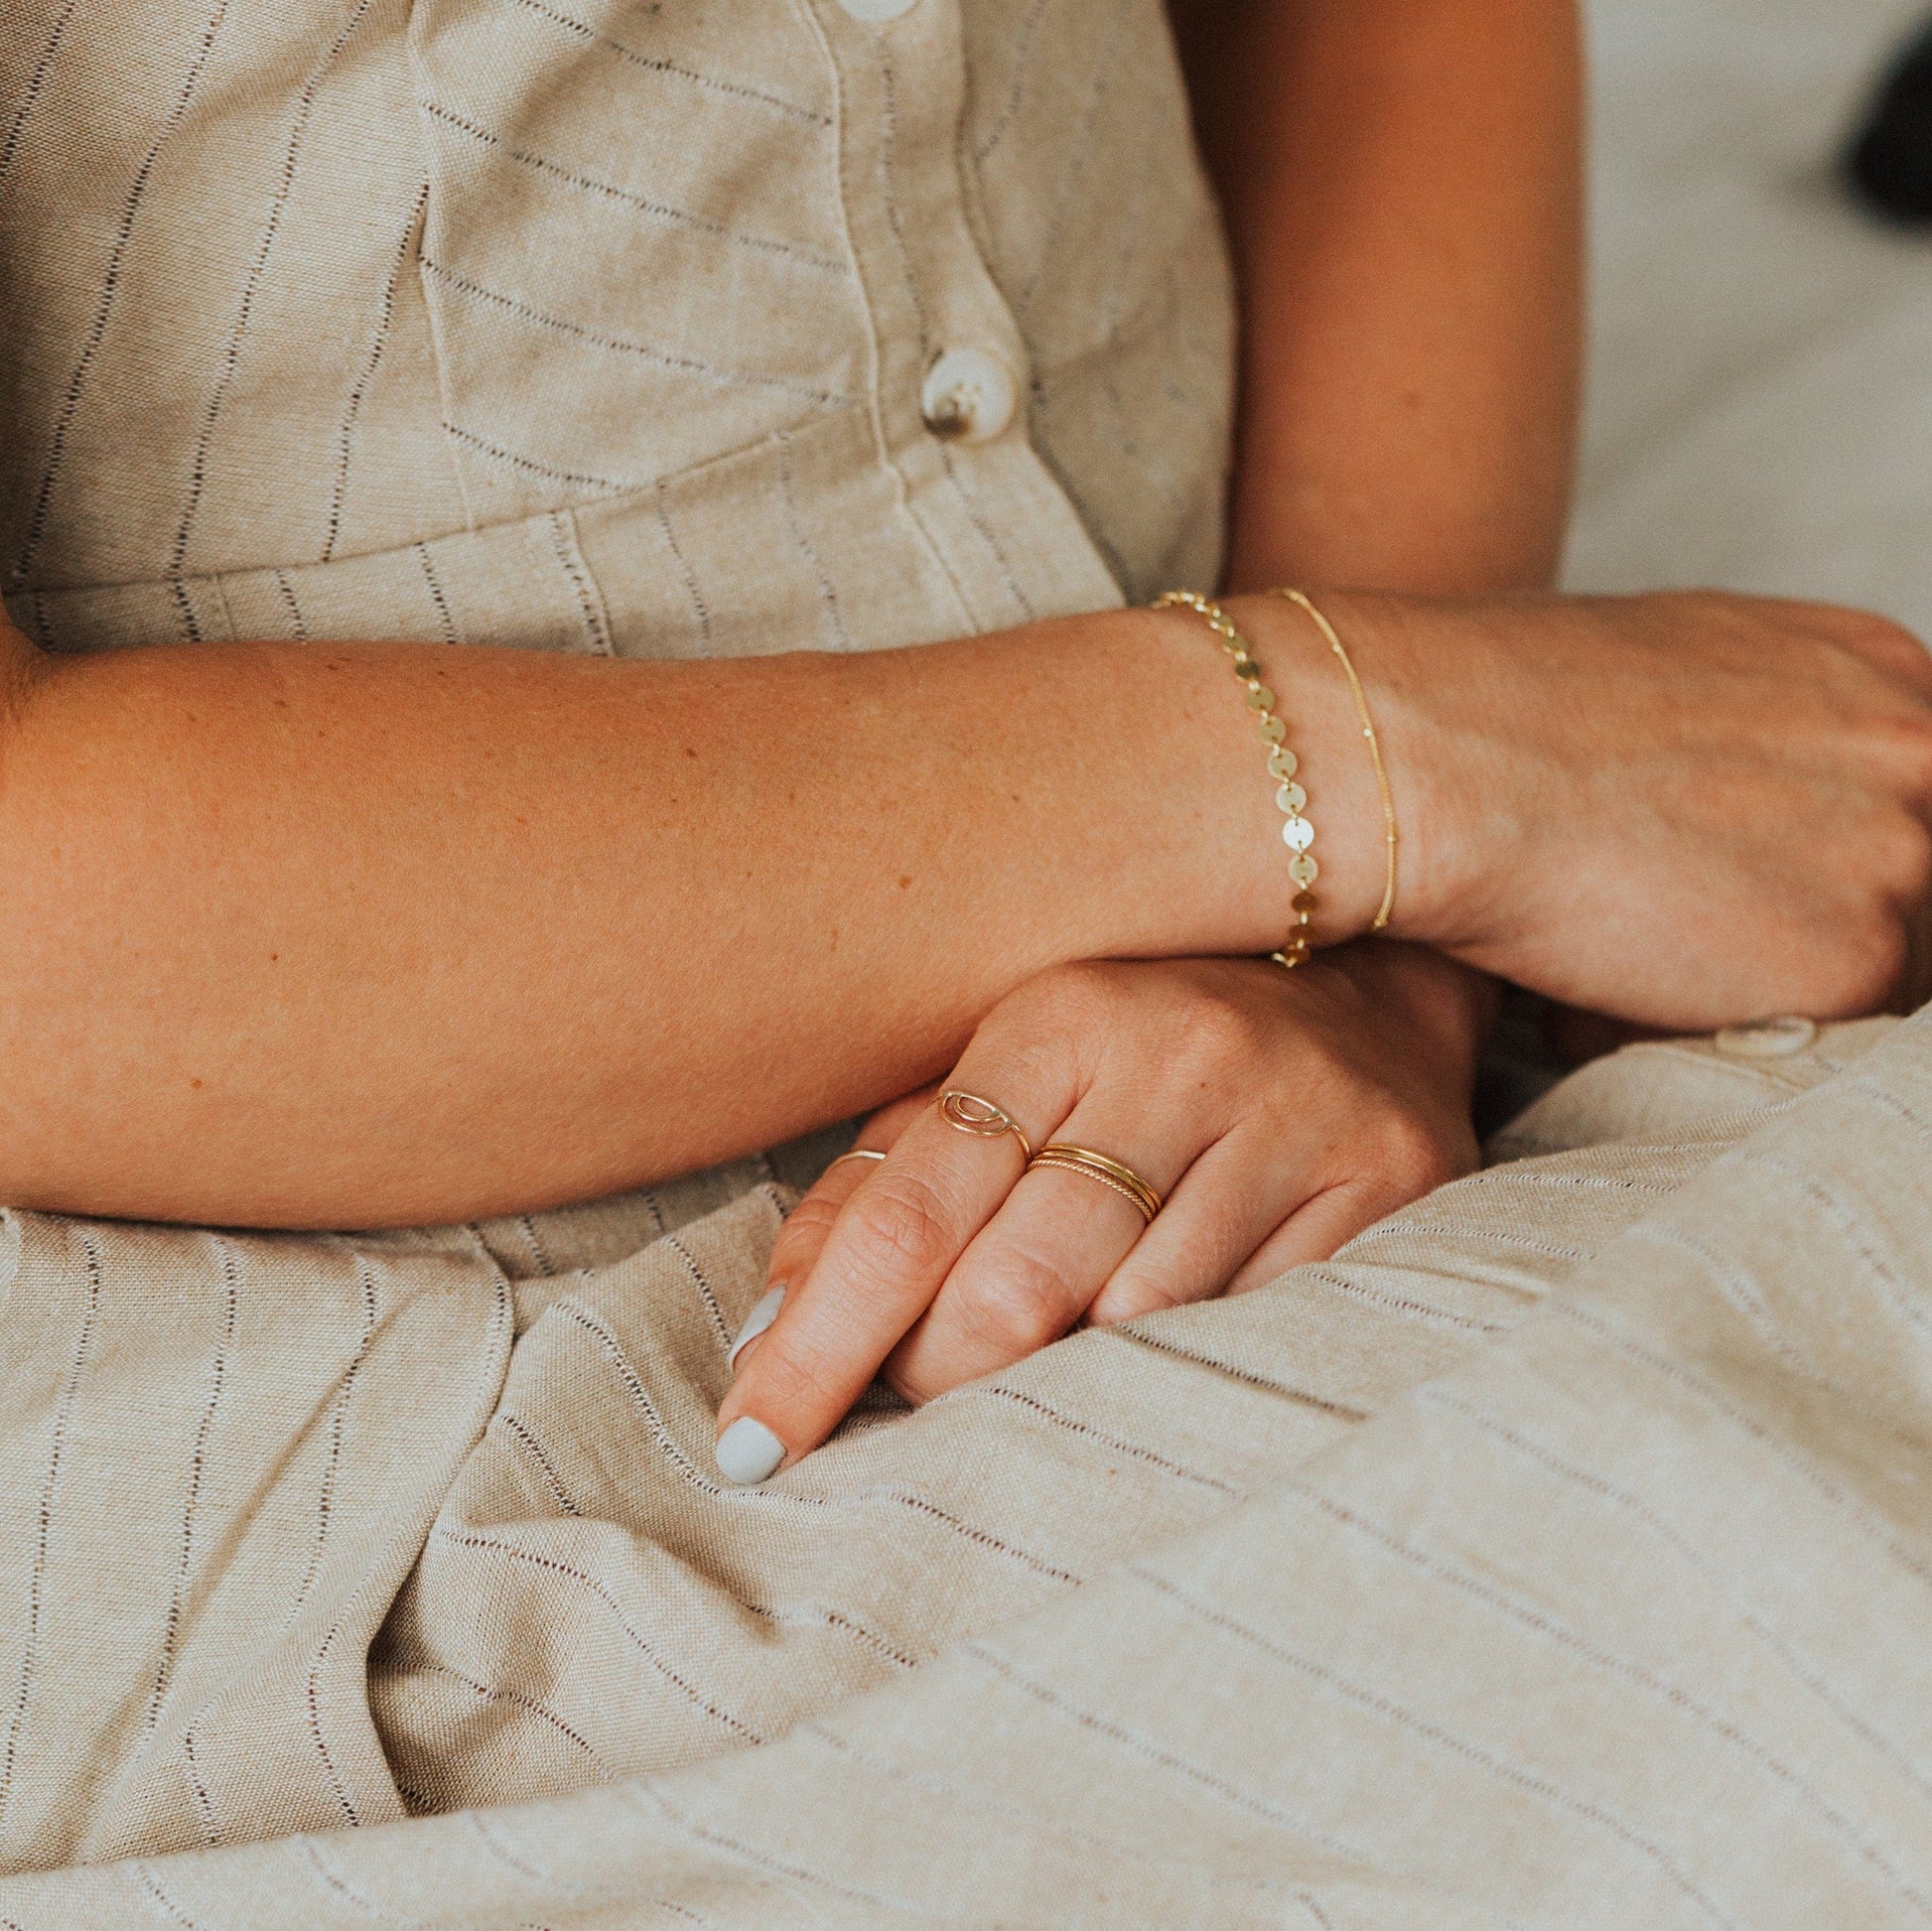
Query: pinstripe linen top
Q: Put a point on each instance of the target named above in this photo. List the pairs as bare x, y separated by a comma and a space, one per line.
597, 324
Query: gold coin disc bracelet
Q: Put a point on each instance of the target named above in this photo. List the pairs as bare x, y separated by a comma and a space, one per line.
1389, 838
1297, 833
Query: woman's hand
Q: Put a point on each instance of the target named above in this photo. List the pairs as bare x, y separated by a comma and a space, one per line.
1277, 1114
1681, 810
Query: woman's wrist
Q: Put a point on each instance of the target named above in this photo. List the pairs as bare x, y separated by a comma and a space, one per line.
1335, 764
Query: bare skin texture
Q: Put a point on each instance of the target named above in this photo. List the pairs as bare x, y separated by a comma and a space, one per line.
1402, 187
1673, 809
1401, 180
370, 933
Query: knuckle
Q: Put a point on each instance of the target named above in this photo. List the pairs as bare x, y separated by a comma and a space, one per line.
1700, 610
1908, 859
1019, 1306
912, 1387
1413, 1156
919, 1379
1881, 633
1865, 968
1219, 1030
1877, 638
1916, 750
1885, 881
1885, 960
807, 1225
902, 1219
1891, 748
1133, 1293
798, 1375
1695, 601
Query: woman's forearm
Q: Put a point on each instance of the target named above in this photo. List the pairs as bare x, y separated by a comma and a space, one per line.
1402, 186
362, 934
309, 935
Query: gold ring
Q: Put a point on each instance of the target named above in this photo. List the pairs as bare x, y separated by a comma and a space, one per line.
1097, 1166
858, 1152
968, 1113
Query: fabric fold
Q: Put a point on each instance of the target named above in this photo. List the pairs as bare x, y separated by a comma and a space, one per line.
1403, 1593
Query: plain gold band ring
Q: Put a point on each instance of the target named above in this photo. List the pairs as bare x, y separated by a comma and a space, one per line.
1097, 1166
968, 1113
858, 1152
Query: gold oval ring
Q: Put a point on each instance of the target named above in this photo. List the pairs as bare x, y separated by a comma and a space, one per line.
1109, 1172
969, 1113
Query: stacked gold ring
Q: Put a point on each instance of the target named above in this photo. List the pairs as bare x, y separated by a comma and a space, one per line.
1097, 1166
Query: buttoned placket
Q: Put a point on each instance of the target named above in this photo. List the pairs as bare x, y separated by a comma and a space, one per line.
950, 366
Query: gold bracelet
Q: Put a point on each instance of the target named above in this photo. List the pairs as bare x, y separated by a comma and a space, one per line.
1297, 833
1389, 840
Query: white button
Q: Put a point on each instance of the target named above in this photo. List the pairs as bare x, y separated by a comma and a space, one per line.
969, 396
877, 9
1769, 1039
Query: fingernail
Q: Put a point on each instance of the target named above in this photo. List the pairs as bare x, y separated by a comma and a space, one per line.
755, 1322
747, 1451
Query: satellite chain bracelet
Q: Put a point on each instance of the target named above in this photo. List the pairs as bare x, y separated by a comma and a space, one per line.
1297, 833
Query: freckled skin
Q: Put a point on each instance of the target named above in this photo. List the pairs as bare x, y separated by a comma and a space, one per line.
533, 956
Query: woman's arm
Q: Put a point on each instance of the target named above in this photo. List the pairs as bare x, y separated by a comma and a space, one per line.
349, 934
352, 935
1402, 181
341, 936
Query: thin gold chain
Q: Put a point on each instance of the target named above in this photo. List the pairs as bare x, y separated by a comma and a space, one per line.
1390, 837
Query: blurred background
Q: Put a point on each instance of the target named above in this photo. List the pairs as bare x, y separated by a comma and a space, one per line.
1760, 412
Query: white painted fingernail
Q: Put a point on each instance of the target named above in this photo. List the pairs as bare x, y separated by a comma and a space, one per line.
747, 1451
755, 1322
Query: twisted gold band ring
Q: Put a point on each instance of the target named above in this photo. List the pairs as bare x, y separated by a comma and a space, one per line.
1097, 1166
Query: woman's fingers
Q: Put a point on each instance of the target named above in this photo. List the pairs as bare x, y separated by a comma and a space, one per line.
801, 1239
1887, 645
1263, 1198
893, 1244
1275, 1116
1287, 1186
1228, 1204
1263, 1201
1182, 1071
1319, 1229
1033, 1271
799, 1242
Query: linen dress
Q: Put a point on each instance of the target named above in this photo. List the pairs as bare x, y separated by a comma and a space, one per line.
1466, 1580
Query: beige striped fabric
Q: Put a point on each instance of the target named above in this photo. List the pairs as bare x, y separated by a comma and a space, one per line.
1560, 1555
596, 325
